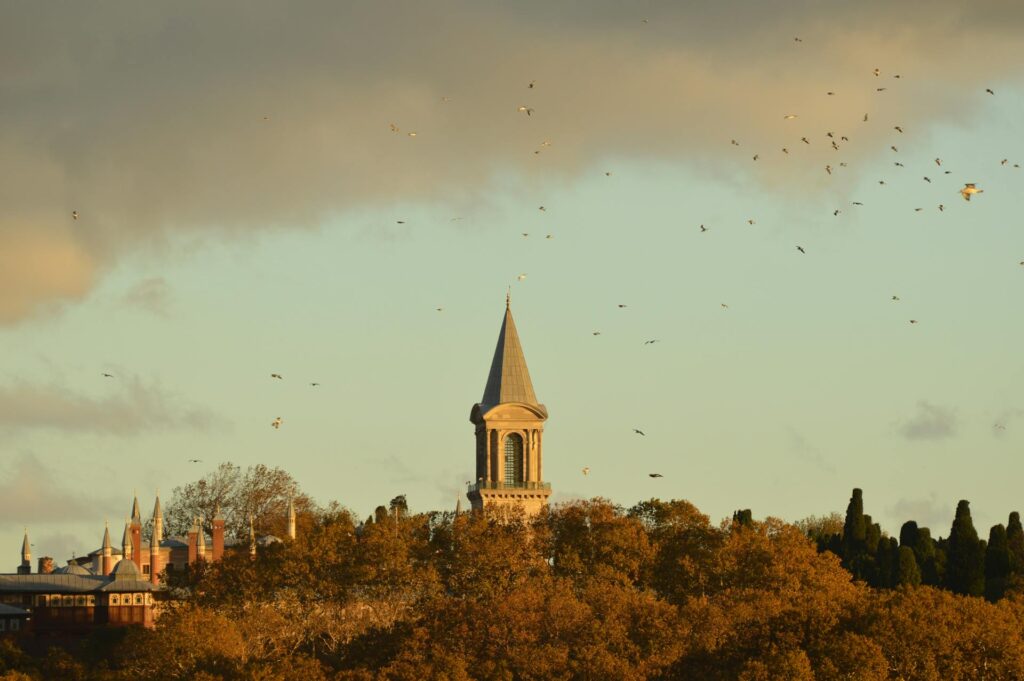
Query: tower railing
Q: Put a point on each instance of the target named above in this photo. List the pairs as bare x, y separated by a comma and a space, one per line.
493, 484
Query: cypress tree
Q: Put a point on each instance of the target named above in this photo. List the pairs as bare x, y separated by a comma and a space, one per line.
965, 558
854, 552
743, 517
909, 535
909, 573
872, 535
887, 563
1015, 544
927, 557
997, 563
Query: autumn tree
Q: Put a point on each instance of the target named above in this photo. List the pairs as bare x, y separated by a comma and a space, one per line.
259, 492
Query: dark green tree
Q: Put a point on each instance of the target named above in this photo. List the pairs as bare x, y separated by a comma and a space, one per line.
965, 558
854, 551
909, 574
909, 535
1015, 544
997, 563
887, 560
743, 517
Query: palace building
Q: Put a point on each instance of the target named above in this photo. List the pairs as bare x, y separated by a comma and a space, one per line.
509, 431
111, 586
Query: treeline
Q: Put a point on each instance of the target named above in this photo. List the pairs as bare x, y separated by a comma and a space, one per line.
962, 562
587, 590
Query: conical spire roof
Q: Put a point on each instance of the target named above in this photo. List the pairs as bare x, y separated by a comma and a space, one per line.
509, 379
25, 550
157, 513
106, 536
136, 515
126, 538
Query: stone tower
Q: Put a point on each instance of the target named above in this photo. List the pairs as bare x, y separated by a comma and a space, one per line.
509, 431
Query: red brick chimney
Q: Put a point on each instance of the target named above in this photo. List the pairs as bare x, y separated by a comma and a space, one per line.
193, 547
218, 534
45, 565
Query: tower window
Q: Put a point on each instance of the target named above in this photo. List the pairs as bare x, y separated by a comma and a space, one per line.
513, 458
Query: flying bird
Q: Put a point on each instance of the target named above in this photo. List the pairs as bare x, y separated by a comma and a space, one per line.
607, 173
836, 212
969, 189
74, 215
927, 179
549, 236
639, 432
724, 306
655, 475
938, 161
703, 228
314, 384
525, 109
895, 297
648, 342
750, 222
865, 118
276, 423
586, 470
789, 117
279, 376
828, 169
913, 321
878, 72
195, 460
801, 248
440, 309
108, 375
989, 90
805, 140
856, 203
621, 305
785, 150
525, 234
941, 208
542, 208
735, 143
531, 84
898, 128
595, 333
521, 277
756, 156
899, 164
879, 89
394, 128
893, 147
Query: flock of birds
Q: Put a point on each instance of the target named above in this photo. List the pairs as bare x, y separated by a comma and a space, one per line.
969, 190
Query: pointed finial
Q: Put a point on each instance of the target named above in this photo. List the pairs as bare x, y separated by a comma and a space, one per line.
508, 298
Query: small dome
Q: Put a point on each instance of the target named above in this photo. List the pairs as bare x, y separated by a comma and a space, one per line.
125, 569
76, 569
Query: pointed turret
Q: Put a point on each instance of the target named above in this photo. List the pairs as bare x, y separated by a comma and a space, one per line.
200, 539
135, 533
136, 515
291, 520
252, 538
509, 379
154, 542
26, 556
107, 551
126, 540
458, 505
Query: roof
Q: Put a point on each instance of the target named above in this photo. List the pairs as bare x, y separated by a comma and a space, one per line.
10, 610
509, 379
73, 569
125, 569
72, 583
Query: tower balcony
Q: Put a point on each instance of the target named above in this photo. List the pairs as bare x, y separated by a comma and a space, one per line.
495, 485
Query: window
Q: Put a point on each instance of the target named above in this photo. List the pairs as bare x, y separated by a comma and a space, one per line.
145, 569
67, 601
138, 599
15, 625
115, 599
513, 458
90, 601
80, 600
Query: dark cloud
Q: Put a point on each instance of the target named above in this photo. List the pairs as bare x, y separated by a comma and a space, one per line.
223, 118
931, 422
130, 407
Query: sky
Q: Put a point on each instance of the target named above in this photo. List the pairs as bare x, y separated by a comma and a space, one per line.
296, 189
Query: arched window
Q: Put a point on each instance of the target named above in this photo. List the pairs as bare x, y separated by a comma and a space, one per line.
513, 458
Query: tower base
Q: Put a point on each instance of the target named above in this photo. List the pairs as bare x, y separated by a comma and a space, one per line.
530, 501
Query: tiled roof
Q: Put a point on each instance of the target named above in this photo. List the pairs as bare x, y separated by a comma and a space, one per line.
509, 379
70, 584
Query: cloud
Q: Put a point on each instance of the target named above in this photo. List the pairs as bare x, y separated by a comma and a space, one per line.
153, 120
931, 422
807, 452
132, 408
151, 294
30, 491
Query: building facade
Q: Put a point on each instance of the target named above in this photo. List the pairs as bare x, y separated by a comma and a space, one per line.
509, 431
